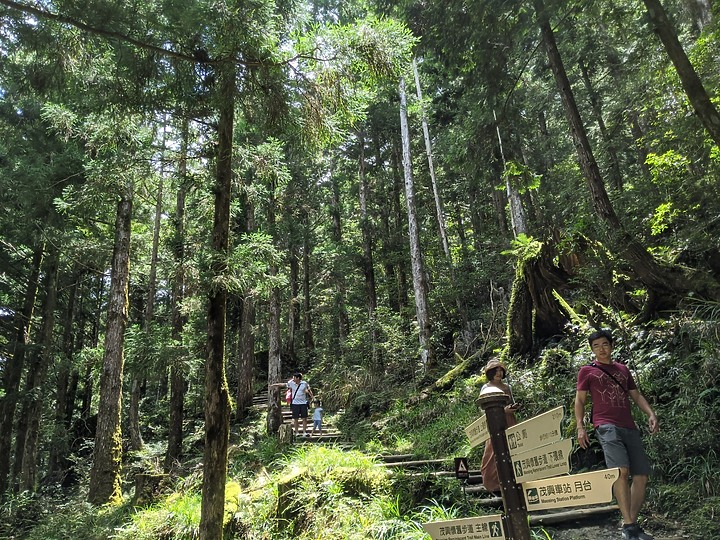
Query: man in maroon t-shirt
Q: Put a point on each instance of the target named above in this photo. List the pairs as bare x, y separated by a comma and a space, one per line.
611, 386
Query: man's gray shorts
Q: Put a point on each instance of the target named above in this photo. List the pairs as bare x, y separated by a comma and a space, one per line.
623, 447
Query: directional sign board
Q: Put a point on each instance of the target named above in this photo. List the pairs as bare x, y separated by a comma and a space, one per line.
575, 490
538, 431
475, 528
543, 462
477, 432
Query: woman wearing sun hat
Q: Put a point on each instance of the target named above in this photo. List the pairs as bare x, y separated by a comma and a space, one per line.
495, 371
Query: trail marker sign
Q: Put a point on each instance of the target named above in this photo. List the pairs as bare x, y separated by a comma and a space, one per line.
478, 432
575, 490
537, 431
462, 472
475, 528
543, 462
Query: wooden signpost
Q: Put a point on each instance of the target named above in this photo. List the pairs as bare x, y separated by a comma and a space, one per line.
539, 430
575, 490
474, 528
544, 462
478, 432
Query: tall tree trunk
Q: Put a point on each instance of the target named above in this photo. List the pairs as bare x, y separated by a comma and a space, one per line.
14, 369
308, 336
439, 211
294, 303
398, 224
107, 457
36, 380
663, 284
367, 264
86, 395
64, 392
517, 211
341, 319
217, 397
694, 89
615, 172
177, 371
700, 12
136, 389
246, 337
418, 267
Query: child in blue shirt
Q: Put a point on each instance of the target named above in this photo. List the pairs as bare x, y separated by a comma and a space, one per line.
317, 417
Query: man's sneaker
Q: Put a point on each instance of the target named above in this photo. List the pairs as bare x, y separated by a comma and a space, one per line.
629, 533
635, 532
642, 535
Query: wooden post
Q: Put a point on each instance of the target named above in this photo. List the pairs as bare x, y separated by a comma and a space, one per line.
493, 403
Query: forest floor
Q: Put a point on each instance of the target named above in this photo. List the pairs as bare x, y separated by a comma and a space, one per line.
608, 527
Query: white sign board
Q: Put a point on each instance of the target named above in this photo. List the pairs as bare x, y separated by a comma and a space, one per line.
575, 490
478, 432
538, 431
475, 528
544, 462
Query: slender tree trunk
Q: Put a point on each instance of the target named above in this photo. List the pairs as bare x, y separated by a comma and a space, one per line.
694, 89
517, 212
59, 446
36, 379
14, 369
177, 371
294, 303
615, 172
368, 264
246, 345
418, 267
398, 224
342, 320
107, 457
217, 397
638, 136
639, 258
439, 211
308, 335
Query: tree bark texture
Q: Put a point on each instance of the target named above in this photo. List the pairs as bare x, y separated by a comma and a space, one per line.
519, 331
177, 370
368, 266
694, 89
14, 369
217, 398
107, 457
246, 337
420, 286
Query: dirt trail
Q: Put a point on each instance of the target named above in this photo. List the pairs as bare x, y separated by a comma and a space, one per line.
607, 527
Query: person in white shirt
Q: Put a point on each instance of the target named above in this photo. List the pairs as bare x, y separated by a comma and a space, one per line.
301, 396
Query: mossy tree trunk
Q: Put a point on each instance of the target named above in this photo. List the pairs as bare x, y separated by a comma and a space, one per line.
107, 456
520, 316
217, 397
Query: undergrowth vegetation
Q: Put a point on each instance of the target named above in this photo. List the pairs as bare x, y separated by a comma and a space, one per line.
314, 492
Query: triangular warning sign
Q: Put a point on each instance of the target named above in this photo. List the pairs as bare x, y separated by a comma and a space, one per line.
461, 468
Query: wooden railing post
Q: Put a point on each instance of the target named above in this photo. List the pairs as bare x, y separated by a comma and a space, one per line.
493, 403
